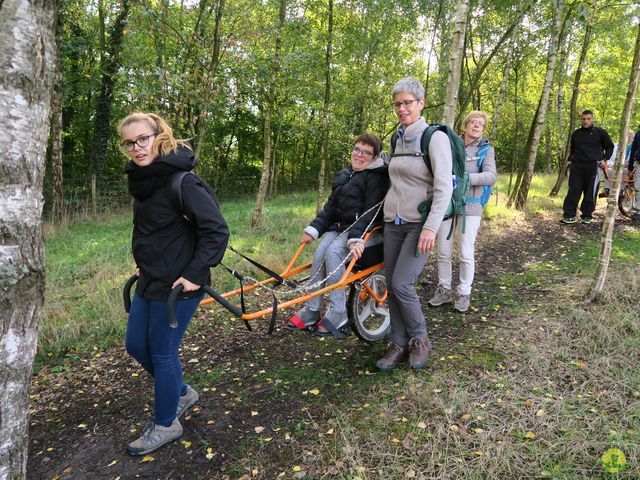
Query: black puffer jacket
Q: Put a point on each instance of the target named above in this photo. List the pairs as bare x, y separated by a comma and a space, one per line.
352, 194
165, 245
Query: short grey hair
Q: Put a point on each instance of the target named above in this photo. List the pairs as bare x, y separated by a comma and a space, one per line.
410, 85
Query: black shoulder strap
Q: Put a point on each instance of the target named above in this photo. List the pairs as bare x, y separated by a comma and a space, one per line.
394, 141
175, 188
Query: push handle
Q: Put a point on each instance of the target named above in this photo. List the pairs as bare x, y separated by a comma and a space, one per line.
126, 292
173, 322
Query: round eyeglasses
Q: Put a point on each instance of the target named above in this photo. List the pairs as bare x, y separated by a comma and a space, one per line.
142, 141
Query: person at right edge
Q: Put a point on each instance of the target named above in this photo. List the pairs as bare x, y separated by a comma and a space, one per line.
633, 172
590, 147
482, 171
407, 243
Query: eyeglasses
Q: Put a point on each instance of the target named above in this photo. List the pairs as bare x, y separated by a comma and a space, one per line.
142, 141
476, 122
404, 103
366, 153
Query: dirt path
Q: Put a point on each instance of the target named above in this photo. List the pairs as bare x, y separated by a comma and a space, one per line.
260, 396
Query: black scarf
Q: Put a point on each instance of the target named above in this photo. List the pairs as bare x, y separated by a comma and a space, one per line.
143, 181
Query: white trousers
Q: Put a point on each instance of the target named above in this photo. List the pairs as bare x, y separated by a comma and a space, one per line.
466, 249
636, 184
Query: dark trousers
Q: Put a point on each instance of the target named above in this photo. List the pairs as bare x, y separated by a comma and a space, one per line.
582, 181
402, 267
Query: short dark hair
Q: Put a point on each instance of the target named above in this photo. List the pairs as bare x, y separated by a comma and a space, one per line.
371, 140
587, 112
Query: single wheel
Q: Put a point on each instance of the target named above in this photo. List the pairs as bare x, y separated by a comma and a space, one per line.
367, 308
625, 201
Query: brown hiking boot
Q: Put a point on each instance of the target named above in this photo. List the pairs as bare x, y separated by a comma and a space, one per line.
393, 357
419, 352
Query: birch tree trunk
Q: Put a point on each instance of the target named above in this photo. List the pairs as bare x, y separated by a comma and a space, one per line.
27, 62
455, 63
268, 112
562, 168
606, 241
535, 132
324, 128
57, 204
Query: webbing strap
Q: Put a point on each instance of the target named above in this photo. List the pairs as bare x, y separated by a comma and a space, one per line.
240, 278
266, 270
332, 328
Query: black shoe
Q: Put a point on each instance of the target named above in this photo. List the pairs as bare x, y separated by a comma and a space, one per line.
568, 220
586, 220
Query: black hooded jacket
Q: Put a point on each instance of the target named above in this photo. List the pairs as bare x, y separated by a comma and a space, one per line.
164, 243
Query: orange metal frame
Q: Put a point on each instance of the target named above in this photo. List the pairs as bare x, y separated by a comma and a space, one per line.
347, 278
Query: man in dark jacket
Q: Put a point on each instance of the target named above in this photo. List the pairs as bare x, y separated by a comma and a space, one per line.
590, 146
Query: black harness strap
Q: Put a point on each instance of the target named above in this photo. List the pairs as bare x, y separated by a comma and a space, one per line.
266, 270
240, 278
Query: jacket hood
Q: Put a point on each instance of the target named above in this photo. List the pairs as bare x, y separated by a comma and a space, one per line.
183, 159
377, 165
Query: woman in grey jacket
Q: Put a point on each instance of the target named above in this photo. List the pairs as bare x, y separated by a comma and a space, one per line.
407, 242
482, 171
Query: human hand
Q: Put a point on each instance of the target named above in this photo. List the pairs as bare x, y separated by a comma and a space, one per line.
306, 238
356, 249
427, 241
187, 286
603, 165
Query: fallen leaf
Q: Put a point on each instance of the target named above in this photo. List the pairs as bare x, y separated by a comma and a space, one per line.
315, 391
422, 425
112, 463
329, 432
147, 458
186, 443
253, 414
82, 425
259, 429
297, 468
529, 435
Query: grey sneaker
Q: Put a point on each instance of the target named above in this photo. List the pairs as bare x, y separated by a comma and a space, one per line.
186, 401
302, 320
153, 437
441, 297
462, 303
339, 320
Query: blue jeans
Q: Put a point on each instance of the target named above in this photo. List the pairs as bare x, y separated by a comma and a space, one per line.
155, 345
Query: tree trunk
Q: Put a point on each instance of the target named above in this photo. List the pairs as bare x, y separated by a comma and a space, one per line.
475, 81
533, 141
211, 74
109, 66
562, 168
597, 287
434, 35
268, 112
57, 196
324, 129
455, 63
493, 126
27, 60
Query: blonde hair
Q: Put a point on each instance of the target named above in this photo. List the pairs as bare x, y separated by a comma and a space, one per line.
164, 143
474, 114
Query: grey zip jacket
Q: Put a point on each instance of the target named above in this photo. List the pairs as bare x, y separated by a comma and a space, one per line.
412, 182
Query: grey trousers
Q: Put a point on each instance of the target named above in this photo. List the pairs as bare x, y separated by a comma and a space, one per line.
402, 268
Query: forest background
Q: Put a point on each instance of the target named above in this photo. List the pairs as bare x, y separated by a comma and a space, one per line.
289, 84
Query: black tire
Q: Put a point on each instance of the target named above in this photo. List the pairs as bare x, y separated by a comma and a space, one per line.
369, 321
625, 201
